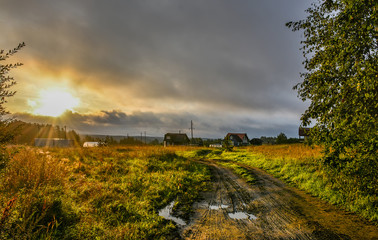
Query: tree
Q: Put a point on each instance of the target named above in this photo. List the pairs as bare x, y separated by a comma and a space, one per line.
227, 143
340, 51
6, 82
281, 138
256, 141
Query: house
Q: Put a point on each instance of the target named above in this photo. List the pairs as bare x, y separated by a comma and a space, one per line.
176, 139
304, 132
53, 142
238, 139
91, 144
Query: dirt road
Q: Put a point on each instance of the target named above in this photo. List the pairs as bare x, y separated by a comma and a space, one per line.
268, 209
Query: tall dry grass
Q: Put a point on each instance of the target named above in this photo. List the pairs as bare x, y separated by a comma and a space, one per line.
95, 193
29, 169
288, 151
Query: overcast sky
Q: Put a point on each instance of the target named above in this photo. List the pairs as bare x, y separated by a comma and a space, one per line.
155, 65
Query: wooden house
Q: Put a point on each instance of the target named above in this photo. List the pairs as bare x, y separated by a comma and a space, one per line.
176, 139
304, 132
238, 139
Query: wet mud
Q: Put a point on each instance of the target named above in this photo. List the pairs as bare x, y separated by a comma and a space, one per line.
268, 209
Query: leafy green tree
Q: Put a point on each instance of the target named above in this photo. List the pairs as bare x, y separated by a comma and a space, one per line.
281, 138
256, 141
227, 143
340, 50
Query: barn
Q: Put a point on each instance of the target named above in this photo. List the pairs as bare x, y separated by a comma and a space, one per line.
53, 142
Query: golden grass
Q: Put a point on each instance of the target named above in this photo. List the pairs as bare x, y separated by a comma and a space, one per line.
289, 151
87, 193
31, 169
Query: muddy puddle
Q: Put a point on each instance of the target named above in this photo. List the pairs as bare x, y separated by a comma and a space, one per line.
217, 207
242, 215
236, 215
167, 214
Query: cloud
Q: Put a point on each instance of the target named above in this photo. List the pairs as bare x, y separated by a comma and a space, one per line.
169, 56
116, 122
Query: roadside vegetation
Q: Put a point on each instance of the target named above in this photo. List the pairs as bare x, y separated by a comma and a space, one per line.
301, 166
96, 193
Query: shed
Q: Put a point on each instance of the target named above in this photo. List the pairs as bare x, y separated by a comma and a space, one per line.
53, 142
176, 139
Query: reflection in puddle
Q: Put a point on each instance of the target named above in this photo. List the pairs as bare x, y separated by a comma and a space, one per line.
217, 207
242, 215
166, 213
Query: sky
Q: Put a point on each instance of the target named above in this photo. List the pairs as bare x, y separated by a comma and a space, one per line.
125, 67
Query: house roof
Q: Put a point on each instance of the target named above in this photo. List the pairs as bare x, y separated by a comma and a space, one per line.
176, 137
239, 135
304, 132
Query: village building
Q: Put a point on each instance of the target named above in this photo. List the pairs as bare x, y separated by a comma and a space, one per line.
238, 139
53, 142
176, 139
216, 145
304, 133
91, 144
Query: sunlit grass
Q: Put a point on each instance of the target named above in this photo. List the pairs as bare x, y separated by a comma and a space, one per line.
241, 171
95, 193
299, 165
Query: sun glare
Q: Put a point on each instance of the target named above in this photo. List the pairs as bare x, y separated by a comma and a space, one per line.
53, 102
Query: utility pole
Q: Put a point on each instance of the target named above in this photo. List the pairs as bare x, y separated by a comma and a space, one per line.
191, 129
145, 137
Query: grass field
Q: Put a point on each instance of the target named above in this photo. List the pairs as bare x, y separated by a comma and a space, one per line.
300, 166
116, 192
96, 193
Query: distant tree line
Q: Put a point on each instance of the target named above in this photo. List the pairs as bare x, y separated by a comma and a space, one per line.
20, 132
280, 139
110, 141
25, 133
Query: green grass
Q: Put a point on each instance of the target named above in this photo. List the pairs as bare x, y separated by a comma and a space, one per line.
241, 171
96, 193
299, 165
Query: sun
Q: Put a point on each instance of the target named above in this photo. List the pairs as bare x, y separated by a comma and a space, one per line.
53, 102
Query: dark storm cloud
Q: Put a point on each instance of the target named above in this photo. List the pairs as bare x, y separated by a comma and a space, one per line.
157, 124
115, 122
224, 55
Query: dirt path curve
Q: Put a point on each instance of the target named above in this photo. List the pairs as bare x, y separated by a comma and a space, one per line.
268, 209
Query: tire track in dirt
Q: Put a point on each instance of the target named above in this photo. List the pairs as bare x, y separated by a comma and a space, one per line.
265, 210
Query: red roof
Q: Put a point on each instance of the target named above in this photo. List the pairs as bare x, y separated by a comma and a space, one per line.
240, 135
